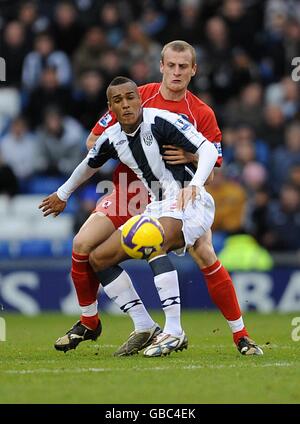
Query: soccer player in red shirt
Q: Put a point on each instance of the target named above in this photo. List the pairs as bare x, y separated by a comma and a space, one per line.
178, 66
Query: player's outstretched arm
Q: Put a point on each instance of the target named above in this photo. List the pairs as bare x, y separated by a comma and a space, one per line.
52, 205
81, 174
56, 202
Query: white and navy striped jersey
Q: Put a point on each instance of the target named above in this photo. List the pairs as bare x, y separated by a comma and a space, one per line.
142, 151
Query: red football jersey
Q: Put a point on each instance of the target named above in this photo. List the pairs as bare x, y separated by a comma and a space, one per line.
196, 111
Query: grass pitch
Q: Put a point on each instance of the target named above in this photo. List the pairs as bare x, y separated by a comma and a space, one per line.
210, 371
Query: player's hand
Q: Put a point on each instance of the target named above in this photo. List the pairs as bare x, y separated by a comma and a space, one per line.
52, 205
176, 155
186, 195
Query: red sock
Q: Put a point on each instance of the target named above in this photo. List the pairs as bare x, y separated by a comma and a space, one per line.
222, 292
90, 322
84, 279
239, 334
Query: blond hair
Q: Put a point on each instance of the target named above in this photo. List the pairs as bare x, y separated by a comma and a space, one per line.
179, 46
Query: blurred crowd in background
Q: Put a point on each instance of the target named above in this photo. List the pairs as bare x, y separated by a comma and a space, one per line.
60, 56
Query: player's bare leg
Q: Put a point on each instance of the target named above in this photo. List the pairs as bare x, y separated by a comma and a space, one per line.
222, 292
97, 228
109, 253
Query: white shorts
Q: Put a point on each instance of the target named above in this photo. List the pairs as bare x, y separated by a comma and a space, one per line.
197, 218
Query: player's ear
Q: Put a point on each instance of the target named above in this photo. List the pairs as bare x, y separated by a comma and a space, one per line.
194, 70
161, 67
108, 106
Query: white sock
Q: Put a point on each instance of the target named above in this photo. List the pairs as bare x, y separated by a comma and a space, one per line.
168, 290
90, 310
122, 291
236, 325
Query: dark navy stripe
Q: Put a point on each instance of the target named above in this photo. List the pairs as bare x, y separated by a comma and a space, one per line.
125, 308
109, 275
170, 301
178, 172
161, 265
171, 134
190, 170
107, 151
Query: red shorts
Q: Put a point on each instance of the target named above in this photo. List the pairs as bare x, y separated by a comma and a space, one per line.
120, 205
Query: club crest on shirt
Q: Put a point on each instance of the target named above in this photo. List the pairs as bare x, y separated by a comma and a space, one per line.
148, 138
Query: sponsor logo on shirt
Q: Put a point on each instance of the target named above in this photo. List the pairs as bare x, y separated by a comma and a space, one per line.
105, 120
182, 124
148, 138
119, 143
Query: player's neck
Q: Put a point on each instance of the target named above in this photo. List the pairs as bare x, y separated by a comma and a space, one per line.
131, 129
168, 94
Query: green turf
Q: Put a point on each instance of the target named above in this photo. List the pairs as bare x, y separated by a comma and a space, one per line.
210, 371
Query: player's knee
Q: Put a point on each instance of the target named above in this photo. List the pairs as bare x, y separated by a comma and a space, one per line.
204, 253
167, 246
81, 245
173, 240
100, 262
95, 261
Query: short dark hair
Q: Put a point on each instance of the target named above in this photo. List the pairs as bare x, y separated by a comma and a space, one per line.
119, 81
